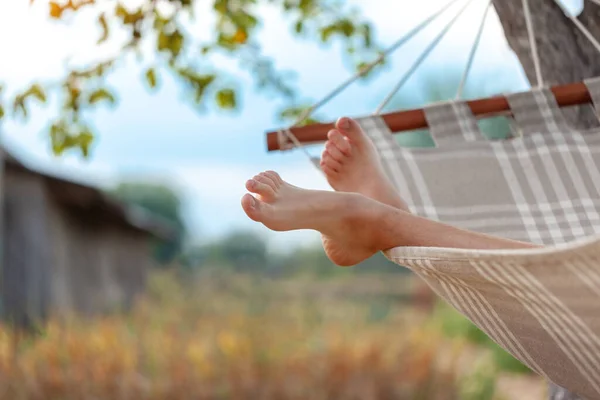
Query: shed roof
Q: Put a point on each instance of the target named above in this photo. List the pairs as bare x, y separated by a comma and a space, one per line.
92, 199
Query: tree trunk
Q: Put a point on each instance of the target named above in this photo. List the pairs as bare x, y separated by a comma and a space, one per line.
566, 56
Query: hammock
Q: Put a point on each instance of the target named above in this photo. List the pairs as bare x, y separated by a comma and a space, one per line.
541, 185
542, 306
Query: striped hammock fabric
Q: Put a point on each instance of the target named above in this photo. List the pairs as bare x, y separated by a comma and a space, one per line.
542, 186
541, 305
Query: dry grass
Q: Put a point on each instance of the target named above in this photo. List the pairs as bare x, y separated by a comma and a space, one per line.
243, 338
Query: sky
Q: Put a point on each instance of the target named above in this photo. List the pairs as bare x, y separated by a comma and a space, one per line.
208, 157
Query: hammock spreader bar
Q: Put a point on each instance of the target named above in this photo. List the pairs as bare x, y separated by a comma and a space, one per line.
408, 120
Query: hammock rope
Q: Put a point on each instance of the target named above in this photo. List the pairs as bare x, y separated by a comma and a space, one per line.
287, 134
533, 44
286, 138
579, 25
421, 58
463, 80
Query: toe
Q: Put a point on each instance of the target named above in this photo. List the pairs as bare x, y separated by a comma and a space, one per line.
339, 141
263, 189
331, 173
252, 207
275, 177
266, 179
350, 128
334, 152
330, 162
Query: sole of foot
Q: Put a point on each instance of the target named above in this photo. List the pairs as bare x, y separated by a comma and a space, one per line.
347, 221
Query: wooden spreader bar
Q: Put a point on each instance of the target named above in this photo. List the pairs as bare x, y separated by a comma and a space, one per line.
408, 120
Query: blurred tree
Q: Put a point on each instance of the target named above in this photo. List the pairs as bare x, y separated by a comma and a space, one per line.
246, 251
240, 251
162, 201
310, 260
169, 27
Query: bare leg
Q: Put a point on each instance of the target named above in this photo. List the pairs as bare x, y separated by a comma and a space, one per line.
353, 226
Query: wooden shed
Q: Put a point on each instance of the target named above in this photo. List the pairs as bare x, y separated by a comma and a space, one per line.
69, 248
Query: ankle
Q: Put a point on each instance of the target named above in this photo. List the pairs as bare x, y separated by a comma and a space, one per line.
361, 213
390, 225
355, 210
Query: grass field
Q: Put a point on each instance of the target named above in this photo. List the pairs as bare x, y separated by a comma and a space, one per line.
237, 337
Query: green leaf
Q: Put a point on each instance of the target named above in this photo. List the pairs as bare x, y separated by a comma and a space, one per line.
367, 35
306, 6
129, 18
120, 11
196, 83
227, 41
84, 141
343, 26
226, 99
327, 31
176, 43
243, 20
160, 22
173, 43
101, 94
299, 27
19, 106
1, 112
202, 82
104, 26
346, 27
73, 99
162, 41
221, 6
58, 134
64, 137
151, 77
36, 91
19, 103
294, 112
288, 5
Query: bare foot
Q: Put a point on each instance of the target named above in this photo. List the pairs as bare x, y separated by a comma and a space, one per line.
345, 220
351, 164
